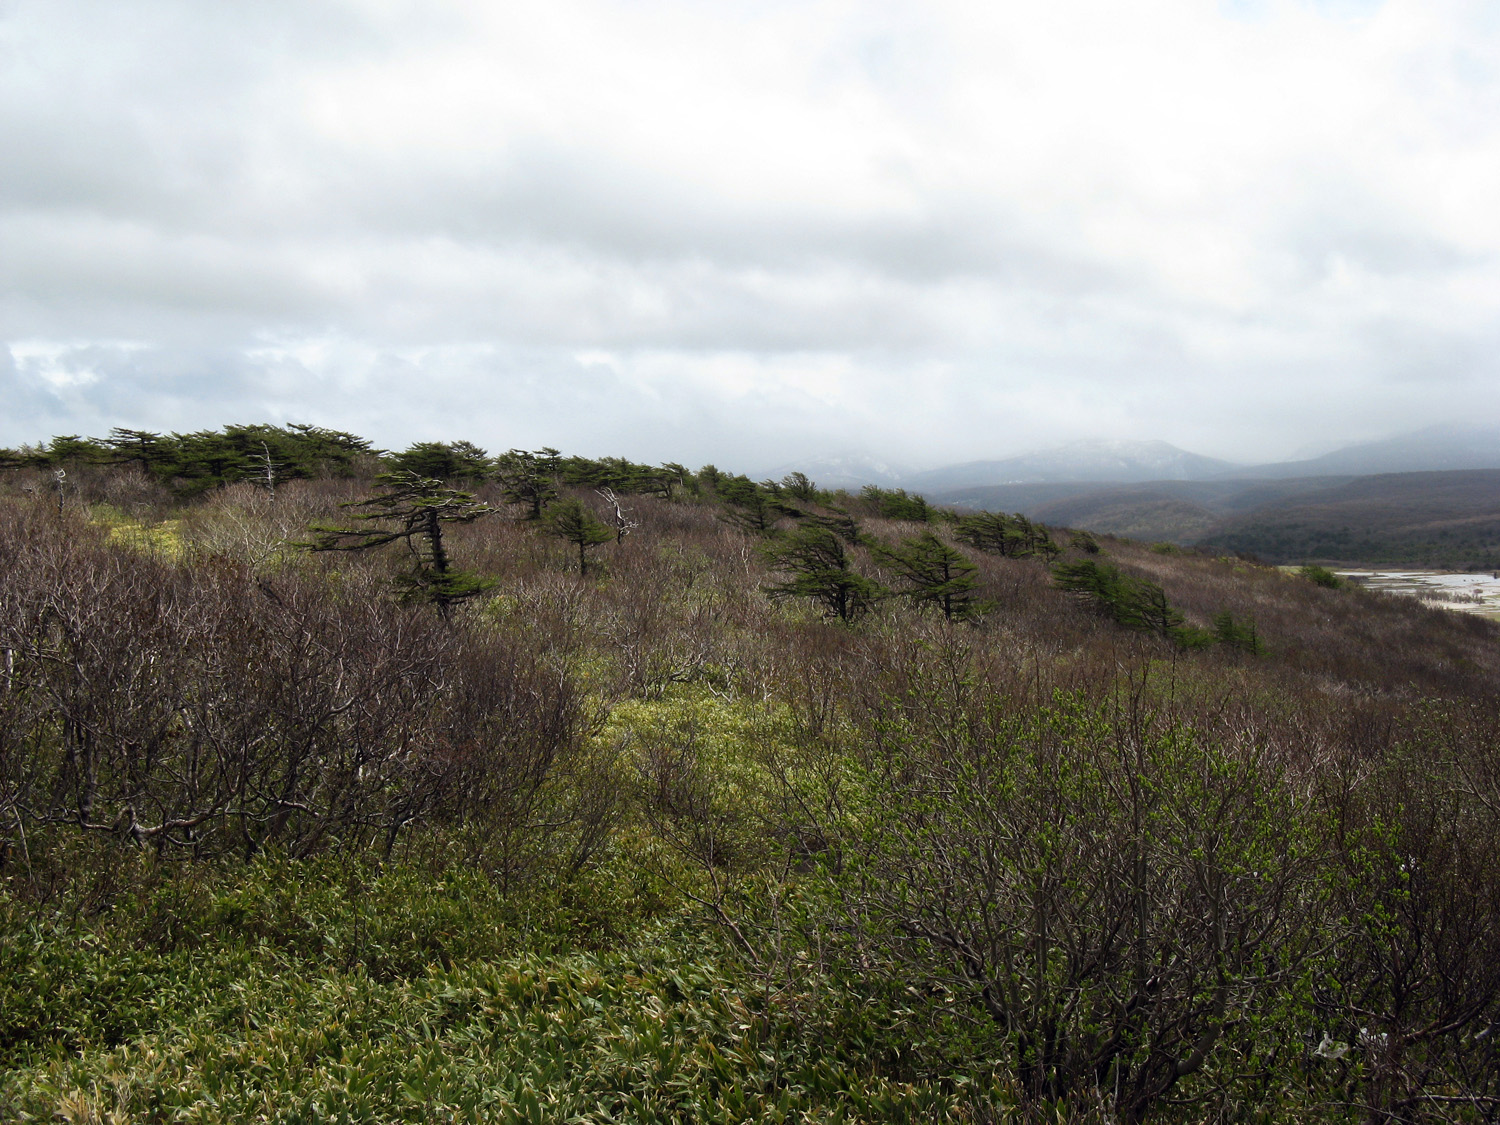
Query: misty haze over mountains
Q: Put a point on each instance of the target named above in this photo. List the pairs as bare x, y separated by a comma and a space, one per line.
1081, 460
1435, 448
1433, 494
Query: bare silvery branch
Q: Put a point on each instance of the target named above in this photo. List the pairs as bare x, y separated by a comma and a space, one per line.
268, 470
623, 524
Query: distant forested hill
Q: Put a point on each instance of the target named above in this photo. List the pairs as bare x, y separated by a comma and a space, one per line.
1442, 519
1445, 519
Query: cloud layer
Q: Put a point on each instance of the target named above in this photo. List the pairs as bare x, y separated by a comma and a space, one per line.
748, 231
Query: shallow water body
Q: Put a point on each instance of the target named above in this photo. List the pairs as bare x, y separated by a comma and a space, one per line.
1467, 593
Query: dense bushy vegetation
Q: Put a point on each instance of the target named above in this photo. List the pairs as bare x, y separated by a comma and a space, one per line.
713, 800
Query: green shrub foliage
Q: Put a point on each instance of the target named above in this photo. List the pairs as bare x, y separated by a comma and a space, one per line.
1106, 901
1321, 576
638, 843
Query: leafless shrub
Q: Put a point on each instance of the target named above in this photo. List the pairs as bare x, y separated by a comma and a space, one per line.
245, 523
204, 709
1415, 993
1103, 896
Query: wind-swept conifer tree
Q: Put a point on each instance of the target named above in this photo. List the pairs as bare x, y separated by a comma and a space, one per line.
934, 574
412, 509
572, 521
820, 569
529, 478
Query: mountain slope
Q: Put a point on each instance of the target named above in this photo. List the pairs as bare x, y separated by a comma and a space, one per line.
1444, 519
1079, 461
1180, 511
1145, 514
1435, 449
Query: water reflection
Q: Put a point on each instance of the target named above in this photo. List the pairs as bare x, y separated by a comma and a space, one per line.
1470, 593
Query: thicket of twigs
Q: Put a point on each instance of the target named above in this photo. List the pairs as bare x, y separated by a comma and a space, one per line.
1033, 861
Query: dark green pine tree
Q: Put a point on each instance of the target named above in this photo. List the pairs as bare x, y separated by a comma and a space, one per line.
799, 487
895, 504
1098, 582
1014, 536
751, 507
154, 454
529, 478
819, 568
71, 449
412, 509
1040, 542
1134, 603
571, 520
676, 478
992, 531
840, 522
709, 478
1086, 542
1241, 635
1146, 608
440, 460
934, 574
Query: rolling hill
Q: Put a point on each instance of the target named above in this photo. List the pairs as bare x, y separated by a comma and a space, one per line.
1442, 519
1445, 519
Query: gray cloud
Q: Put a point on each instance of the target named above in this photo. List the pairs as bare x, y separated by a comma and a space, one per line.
746, 232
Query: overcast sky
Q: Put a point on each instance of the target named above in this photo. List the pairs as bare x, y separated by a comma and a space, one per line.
753, 231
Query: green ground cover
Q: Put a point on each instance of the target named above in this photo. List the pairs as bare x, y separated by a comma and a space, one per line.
1140, 835
315, 991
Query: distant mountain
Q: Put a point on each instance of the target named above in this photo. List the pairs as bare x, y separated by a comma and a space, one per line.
1095, 461
1435, 449
1085, 467
1439, 518
1446, 519
852, 470
1176, 510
